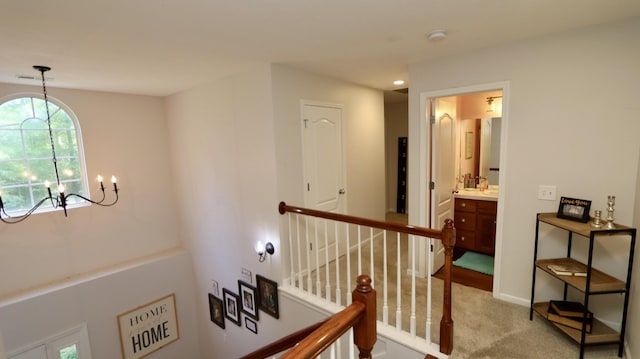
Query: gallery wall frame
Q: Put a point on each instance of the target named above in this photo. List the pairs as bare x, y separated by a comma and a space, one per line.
268, 296
248, 299
231, 306
216, 310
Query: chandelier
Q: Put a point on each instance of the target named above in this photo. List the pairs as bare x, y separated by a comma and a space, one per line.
60, 199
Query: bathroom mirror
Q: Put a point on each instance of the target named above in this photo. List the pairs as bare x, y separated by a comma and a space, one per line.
480, 152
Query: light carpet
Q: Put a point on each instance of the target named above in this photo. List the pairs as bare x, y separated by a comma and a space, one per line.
484, 327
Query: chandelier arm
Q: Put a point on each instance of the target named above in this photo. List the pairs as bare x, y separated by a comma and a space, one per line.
18, 219
99, 203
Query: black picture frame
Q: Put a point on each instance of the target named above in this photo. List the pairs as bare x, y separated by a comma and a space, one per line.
216, 310
268, 296
574, 209
251, 325
231, 306
248, 299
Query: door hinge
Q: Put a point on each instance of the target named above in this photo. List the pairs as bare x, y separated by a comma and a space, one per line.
431, 245
308, 187
310, 246
305, 122
432, 185
432, 119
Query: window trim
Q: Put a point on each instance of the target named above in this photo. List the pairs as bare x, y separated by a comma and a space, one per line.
84, 180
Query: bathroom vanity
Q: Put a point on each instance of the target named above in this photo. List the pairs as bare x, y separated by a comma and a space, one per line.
475, 220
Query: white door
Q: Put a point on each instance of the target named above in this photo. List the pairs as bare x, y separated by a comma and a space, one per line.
323, 169
442, 172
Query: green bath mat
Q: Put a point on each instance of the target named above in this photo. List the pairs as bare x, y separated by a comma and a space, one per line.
475, 261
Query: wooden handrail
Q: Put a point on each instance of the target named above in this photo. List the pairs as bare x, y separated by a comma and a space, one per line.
313, 340
447, 236
389, 226
361, 315
284, 343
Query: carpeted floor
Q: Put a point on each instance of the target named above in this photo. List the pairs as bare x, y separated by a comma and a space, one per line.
484, 327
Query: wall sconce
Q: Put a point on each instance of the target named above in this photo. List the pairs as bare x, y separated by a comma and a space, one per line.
264, 250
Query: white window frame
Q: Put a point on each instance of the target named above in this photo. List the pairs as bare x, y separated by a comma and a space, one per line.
81, 158
49, 348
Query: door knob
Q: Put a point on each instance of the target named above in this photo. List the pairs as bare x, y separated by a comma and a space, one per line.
341, 191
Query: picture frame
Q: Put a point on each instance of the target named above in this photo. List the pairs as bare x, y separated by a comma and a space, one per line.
231, 306
248, 299
137, 324
468, 145
251, 325
574, 209
268, 296
216, 310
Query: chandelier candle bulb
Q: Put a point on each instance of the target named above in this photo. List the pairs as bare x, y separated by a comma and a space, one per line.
115, 186
48, 185
101, 184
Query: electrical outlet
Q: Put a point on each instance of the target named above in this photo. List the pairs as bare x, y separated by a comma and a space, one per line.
547, 193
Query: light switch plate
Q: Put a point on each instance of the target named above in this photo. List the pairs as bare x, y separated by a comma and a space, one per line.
547, 193
246, 275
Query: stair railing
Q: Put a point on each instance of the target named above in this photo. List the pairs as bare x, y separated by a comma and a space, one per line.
310, 228
310, 342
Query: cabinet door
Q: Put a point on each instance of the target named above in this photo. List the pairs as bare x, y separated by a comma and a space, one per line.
486, 233
466, 240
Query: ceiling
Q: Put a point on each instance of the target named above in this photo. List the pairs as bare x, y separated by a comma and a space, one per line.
160, 47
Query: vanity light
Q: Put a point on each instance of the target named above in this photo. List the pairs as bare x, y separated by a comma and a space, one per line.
492, 105
264, 250
398, 82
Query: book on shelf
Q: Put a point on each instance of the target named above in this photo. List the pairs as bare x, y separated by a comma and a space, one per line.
567, 269
567, 308
572, 322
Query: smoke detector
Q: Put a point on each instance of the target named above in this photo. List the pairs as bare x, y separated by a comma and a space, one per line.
437, 35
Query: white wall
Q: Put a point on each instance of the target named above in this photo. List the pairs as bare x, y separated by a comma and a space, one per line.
633, 320
123, 135
98, 298
363, 137
235, 147
222, 147
571, 122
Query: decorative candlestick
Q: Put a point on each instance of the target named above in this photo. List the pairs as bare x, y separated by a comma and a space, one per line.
597, 219
611, 201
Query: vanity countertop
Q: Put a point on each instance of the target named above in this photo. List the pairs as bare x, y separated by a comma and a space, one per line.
486, 195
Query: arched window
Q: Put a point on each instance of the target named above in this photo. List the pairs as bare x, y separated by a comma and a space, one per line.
26, 154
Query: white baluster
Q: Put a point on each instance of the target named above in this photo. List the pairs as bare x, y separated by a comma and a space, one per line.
338, 291
385, 290
413, 287
399, 287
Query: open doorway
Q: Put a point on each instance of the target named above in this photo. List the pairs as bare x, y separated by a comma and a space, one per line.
466, 184
396, 120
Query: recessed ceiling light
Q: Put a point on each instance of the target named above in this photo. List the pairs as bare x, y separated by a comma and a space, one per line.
398, 82
437, 35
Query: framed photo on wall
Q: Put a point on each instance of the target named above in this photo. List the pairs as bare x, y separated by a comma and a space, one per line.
268, 296
216, 310
248, 299
231, 306
574, 209
251, 325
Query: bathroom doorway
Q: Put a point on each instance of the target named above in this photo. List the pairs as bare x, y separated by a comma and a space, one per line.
466, 147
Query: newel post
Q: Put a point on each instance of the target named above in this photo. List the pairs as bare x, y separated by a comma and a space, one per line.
365, 334
446, 323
